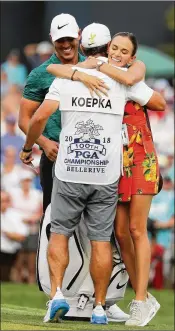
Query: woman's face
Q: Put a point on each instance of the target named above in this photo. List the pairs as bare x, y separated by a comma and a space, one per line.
120, 51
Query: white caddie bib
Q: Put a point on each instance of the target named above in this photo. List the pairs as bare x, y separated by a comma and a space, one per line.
90, 140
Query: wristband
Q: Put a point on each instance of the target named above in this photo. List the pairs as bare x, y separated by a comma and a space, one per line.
26, 150
73, 74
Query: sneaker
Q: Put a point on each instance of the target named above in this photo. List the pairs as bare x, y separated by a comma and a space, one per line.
154, 302
56, 308
115, 314
141, 313
98, 315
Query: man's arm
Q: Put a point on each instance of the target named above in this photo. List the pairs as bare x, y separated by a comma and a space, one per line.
39, 120
27, 110
33, 96
144, 95
36, 127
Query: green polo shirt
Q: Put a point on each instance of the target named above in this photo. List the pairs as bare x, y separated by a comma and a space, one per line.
37, 86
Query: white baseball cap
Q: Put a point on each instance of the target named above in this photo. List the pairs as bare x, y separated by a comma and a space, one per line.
44, 47
63, 25
95, 35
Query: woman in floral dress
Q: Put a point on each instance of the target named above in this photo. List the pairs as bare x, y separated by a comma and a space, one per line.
141, 176
140, 180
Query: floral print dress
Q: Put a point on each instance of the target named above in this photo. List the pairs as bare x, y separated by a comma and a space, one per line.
140, 164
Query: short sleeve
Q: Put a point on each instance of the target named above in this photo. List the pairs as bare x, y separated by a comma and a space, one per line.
54, 90
140, 93
33, 89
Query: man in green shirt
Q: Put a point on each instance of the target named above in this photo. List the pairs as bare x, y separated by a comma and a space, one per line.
65, 35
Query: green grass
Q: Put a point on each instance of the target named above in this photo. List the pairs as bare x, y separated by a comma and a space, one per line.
23, 308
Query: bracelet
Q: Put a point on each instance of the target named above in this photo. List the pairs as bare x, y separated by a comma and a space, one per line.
73, 74
26, 150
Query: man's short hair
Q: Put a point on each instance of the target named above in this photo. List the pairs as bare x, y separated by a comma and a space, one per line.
96, 50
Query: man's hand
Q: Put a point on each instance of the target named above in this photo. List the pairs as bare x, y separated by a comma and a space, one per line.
26, 157
51, 149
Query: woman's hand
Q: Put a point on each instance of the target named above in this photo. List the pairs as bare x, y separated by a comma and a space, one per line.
90, 63
93, 83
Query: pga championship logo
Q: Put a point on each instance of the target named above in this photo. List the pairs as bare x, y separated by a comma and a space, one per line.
87, 145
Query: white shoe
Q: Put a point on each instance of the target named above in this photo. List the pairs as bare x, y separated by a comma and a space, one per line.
141, 313
115, 314
154, 302
56, 308
99, 315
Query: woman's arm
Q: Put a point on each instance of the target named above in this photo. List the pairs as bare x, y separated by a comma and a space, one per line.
66, 71
93, 83
61, 70
134, 74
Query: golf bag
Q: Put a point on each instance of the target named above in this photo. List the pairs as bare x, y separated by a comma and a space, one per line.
77, 286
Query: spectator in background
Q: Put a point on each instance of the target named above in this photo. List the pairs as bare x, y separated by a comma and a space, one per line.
36, 54
157, 251
162, 86
44, 50
5, 85
13, 233
10, 171
16, 72
10, 101
10, 138
163, 123
162, 213
27, 201
170, 167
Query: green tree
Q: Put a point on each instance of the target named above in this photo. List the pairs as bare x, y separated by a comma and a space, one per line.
169, 19
169, 16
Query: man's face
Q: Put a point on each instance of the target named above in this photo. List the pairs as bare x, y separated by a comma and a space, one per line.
67, 49
10, 127
26, 184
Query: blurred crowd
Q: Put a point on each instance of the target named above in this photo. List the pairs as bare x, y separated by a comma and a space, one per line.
21, 195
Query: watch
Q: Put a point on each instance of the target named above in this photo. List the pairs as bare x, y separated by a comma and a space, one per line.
99, 64
26, 150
